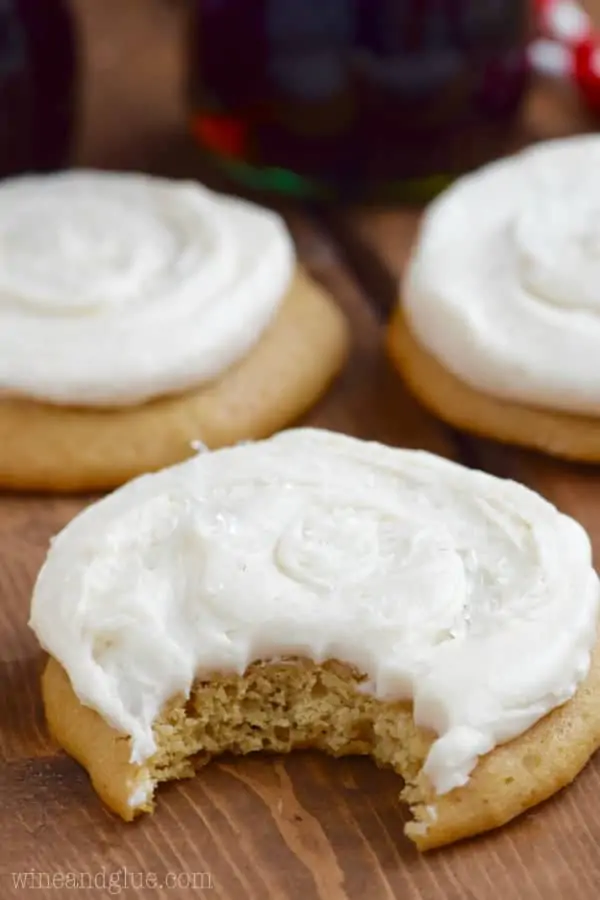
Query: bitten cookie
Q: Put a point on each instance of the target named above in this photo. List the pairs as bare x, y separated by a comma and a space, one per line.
498, 325
138, 315
314, 590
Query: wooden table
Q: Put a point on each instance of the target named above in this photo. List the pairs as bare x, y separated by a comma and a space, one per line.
303, 827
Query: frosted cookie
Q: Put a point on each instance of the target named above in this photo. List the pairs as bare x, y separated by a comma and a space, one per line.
314, 590
498, 327
139, 314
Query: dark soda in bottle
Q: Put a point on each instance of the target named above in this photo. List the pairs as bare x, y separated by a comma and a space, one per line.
355, 99
37, 84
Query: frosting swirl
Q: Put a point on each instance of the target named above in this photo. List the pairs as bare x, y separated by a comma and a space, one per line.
116, 288
502, 287
468, 594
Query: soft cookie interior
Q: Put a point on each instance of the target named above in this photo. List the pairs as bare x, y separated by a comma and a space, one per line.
294, 703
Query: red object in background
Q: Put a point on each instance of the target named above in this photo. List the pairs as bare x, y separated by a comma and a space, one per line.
569, 46
587, 71
224, 134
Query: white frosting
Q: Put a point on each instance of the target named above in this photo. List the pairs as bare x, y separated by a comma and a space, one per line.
504, 283
467, 593
141, 792
116, 288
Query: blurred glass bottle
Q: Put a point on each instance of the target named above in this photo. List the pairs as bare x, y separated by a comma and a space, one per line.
37, 84
355, 99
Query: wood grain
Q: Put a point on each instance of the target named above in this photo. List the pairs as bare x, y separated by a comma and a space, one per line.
303, 827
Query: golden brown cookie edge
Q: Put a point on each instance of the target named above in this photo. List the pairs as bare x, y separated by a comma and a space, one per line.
511, 779
64, 449
456, 403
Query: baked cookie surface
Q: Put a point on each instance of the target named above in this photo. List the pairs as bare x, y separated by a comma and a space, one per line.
317, 590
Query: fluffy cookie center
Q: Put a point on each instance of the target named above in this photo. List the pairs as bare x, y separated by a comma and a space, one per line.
557, 239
